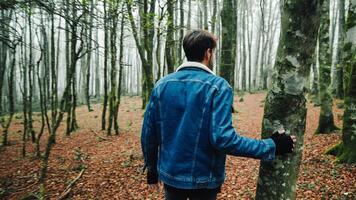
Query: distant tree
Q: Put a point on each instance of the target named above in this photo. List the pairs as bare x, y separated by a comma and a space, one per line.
90, 7
8, 45
286, 103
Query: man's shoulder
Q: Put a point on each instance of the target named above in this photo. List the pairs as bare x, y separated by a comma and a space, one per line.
216, 81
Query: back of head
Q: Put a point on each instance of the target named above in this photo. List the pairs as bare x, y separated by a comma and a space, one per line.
196, 42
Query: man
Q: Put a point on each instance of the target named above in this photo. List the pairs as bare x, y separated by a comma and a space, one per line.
187, 129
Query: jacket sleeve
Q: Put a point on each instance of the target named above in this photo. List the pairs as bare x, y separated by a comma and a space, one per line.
224, 137
150, 140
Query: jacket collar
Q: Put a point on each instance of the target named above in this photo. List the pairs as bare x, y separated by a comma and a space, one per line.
196, 65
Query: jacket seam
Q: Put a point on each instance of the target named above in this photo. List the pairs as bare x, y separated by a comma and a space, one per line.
189, 80
198, 136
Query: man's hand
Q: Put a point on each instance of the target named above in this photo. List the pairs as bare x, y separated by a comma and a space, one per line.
152, 181
284, 143
152, 177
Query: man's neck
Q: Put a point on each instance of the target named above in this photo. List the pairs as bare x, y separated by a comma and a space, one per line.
206, 63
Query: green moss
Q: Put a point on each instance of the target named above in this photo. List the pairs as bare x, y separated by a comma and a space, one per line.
334, 150
346, 155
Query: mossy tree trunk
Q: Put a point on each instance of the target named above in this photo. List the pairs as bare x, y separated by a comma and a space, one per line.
326, 117
346, 151
338, 87
121, 55
144, 44
286, 103
89, 55
113, 9
170, 43
11, 85
227, 66
106, 59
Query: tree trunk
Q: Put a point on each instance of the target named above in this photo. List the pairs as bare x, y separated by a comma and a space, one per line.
243, 76
205, 6
113, 50
11, 84
106, 53
24, 99
5, 33
213, 16
189, 19
170, 44
339, 73
285, 102
181, 31
30, 80
121, 50
145, 47
89, 44
227, 54
345, 151
97, 60
326, 118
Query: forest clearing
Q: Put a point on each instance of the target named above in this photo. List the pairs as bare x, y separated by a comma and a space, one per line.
114, 164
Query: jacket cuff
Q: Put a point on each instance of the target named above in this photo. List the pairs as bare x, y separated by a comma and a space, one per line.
270, 150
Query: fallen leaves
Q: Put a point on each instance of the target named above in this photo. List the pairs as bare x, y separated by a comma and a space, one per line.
114, 163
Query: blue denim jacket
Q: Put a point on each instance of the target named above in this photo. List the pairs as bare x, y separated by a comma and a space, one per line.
187, 130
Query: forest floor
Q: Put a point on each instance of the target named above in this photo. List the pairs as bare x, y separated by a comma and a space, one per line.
114, 164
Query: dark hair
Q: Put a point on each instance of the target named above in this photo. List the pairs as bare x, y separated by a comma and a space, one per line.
196, 42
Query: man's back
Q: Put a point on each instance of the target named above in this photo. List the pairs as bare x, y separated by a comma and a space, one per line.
191, 113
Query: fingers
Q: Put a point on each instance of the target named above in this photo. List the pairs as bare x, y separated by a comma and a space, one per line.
294, 138
155, 187
281, 131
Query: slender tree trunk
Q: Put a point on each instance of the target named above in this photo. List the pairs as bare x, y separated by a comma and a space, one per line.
41, 85
277, 179
205, 5
97, 61
181, 31
11, 84
227, 54
158, 49
89, 43
30, 81
213, 17
189, 19
113, 89
106, 52
121, 50
326, 117
339, 73
249, 21
144, 46
244, 56
170, 44
24, 99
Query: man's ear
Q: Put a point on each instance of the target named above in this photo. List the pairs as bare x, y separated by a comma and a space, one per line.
208, 53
